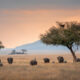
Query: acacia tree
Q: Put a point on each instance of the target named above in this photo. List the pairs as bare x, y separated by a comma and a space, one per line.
65, 34
1, 45
24, 50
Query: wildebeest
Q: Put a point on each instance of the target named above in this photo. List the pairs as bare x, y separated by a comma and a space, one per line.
1, 64
33, 62
10, 60
0, 60
60, 59
46, 60
78, 59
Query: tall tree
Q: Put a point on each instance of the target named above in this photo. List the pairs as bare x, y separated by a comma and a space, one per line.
66, 34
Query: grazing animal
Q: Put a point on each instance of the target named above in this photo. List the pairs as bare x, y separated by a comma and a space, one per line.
10, 60
1, 64
60, 59
46, 60
0, 60
33, 62
78, 59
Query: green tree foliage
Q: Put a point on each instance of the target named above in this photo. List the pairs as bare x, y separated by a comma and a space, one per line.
66, 34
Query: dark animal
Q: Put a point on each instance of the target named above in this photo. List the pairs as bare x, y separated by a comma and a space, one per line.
78, 59
62, 25
1, 64
46, 60
10, 60
60, 59
33, 62
0, 60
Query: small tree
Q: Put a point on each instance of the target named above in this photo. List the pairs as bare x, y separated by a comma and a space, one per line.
24, 50
66, 34
13, 52
1, 45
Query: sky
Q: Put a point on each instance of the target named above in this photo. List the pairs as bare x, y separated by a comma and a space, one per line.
22, 21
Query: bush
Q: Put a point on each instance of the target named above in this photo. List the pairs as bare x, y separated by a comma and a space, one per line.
65, 61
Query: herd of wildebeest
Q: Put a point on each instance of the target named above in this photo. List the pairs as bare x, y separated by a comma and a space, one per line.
34, 62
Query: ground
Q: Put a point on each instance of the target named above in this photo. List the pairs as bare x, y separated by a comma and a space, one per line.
22, 70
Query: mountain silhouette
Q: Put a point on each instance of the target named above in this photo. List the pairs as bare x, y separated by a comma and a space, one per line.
39, 46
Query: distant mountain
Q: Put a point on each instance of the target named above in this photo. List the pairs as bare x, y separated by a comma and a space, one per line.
38, 46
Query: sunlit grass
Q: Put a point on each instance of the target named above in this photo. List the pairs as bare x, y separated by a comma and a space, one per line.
22, 70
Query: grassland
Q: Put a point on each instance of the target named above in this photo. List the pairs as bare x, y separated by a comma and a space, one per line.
22, 70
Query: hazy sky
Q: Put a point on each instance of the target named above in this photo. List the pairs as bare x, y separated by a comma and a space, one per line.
22, 21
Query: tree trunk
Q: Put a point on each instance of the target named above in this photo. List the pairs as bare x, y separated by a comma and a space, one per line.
73, 54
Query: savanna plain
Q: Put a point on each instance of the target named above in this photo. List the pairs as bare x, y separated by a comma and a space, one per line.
22, 70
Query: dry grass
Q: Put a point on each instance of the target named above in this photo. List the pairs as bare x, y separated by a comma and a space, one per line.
21, 69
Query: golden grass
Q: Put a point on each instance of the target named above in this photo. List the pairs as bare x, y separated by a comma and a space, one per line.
22, 70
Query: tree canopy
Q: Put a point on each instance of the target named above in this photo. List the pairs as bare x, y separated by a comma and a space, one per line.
66, 34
